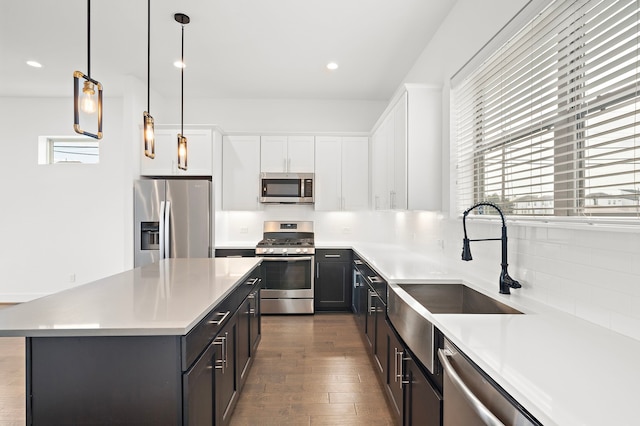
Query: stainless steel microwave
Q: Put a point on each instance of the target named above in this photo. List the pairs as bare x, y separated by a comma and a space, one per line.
293, 188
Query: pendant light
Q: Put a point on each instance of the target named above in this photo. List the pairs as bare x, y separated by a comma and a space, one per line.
182, 19
87, 104
147, 120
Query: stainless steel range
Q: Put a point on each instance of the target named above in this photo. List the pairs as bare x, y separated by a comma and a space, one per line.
288, 252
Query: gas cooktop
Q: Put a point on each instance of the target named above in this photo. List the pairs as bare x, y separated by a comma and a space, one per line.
286, 239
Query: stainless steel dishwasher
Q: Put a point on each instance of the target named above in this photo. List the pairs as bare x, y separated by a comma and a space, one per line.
472, 398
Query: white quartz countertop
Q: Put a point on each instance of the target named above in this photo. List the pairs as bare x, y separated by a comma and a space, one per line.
165, 298
562, 369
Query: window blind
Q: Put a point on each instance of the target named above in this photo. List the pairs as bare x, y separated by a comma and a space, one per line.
548, 124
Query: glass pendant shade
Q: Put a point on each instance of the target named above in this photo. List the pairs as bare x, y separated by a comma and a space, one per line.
87, 106
182, 152
149, 136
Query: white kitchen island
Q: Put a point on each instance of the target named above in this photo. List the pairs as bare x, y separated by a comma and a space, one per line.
129, 349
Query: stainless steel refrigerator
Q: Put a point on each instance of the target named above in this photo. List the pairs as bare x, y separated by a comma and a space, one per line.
173, 218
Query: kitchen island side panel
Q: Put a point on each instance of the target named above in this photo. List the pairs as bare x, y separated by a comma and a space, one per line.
102, 380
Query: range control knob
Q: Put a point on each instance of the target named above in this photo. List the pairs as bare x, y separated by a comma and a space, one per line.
270, 250
298, 250
304, 250
284, 250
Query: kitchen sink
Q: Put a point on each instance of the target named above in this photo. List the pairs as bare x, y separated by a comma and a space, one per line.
455, 299
420, 334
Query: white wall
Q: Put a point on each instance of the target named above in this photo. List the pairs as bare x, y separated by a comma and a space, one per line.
57, 221
276, 115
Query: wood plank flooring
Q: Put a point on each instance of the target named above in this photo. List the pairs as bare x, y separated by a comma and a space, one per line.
12, 381
312, 370
308, 370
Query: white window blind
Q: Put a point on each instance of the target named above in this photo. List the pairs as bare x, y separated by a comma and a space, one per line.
548, 124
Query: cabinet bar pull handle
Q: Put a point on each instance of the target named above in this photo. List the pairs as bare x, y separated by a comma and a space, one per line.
370, 307
221, 320
226, 346
332, 255
219, 341
252, 281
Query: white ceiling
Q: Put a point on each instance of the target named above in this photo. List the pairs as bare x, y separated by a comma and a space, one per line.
233, 48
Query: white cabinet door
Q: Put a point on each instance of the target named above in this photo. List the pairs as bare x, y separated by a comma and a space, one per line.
328, 179
342, 173
165, 163
355, 173
382, 164
424, 150
273, 154
407, 152
292, 154
300, 157
398, 183
240, 172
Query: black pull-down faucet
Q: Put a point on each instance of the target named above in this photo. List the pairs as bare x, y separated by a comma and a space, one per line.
506, 282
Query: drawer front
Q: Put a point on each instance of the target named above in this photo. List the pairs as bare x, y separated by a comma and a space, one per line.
333, 255
199, 337
239, 252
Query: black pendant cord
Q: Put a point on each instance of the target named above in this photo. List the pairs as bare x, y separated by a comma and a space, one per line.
148, 54
182, 87
89, 38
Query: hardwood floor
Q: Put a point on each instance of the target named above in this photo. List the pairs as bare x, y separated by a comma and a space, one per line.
12, 381
308, 370
311, 370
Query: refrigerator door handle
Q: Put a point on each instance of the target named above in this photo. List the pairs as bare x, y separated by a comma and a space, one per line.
161, 230
167, 234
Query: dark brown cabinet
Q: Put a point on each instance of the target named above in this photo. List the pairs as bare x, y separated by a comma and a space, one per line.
379, 333
197, 385
414, 394
332, 286
193, 379
226, 385
249, 332
422, 403
394, 377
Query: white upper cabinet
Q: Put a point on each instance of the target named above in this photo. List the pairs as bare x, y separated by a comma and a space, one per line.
291, 154
407, 152
342, 173
165, 163
382, 164
240, 172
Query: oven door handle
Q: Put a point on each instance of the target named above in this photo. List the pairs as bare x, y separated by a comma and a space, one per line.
288, 258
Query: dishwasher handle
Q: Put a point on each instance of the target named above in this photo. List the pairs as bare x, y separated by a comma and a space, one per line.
488, 418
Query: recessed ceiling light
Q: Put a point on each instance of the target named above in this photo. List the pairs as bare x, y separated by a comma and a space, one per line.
179, 64
34, 64
332, 66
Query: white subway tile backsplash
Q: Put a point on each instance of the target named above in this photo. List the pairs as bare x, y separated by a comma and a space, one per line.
587, 309
625, 324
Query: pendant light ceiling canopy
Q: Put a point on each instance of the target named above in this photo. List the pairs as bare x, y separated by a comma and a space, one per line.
183, 20
87, 105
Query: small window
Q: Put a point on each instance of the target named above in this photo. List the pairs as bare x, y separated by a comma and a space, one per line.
68, 149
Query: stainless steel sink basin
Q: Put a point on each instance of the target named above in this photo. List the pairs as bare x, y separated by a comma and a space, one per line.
418, 332
455, 299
